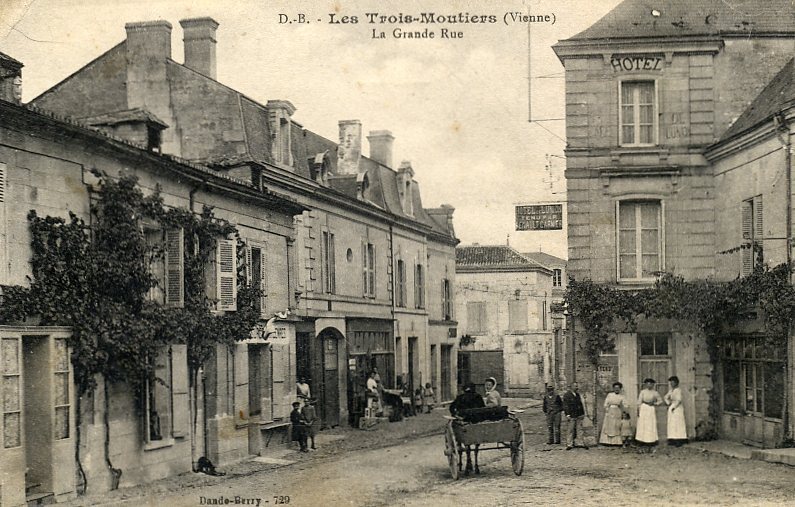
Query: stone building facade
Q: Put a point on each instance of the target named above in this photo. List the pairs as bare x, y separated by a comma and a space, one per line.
649, 91
45, 165
365, 254
504, 302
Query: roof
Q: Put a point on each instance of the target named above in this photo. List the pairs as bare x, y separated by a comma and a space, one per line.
680, 18
10, 62
126, 115
777, 95
545, 259
493, 257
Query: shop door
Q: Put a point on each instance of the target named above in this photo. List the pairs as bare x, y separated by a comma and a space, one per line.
447, 369
413, 359
330, 389
655, 362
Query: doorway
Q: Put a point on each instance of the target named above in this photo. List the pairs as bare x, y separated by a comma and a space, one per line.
37, 419
413, 364
329, 382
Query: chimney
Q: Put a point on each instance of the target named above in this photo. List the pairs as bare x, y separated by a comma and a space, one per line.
350, 148
381, 146
10, 79
148, 48
199, 39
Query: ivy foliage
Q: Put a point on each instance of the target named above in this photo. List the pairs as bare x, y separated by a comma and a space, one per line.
96, 278
712, 306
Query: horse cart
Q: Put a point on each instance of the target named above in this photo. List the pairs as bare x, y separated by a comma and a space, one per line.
496, 429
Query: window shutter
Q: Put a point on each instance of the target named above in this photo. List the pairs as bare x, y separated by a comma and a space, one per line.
365, 291
373, 264
281, 401
175, 259
249, 265
746, 252
179, 390
332, 267
263, 280
758, 215
226, 260
2, 183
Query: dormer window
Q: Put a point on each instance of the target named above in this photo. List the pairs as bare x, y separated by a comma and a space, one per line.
153, 139
280, 125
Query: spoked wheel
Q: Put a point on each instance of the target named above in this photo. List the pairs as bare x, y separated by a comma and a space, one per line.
451, 450
517, 451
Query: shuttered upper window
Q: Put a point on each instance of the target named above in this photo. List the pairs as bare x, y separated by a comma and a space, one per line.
175, 262
476, 317
256, 274
751, 248
226, 274
368, 269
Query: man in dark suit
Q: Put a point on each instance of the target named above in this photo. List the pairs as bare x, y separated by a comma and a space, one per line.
574, 409
466, 400
553, 405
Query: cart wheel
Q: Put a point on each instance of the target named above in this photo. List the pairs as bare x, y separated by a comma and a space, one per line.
451, 450
517, 452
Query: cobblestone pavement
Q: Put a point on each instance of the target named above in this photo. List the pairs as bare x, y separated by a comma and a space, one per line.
403, 464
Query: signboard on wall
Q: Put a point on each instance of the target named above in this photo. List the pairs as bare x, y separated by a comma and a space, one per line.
539, 217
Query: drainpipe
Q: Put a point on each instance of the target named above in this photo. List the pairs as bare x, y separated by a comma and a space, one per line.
786, 141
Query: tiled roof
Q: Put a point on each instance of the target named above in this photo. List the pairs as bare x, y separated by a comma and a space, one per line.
677, 18
545, 259
495, 256
778, 94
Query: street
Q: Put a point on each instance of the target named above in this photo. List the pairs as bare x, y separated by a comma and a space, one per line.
413, 471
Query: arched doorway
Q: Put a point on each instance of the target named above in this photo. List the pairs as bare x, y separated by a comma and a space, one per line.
327, 375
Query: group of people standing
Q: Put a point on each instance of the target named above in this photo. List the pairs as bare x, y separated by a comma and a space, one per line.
304, 420
617, 427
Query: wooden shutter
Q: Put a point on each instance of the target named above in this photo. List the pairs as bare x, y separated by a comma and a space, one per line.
179, 390
249, 265
263, 280
365, 291
332, 265
175, 262
373, 263
757, 252
3, 169
226, 269
3, 239
281, 400
240, 379
746, 250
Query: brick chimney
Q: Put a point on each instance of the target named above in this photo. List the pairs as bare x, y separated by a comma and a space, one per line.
350, 148
10, 79
381, 146
148, 48
199, 39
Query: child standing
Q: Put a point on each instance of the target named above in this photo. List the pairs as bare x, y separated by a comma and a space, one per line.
626, 429
298, 426
427, 397
418, 401
310, 419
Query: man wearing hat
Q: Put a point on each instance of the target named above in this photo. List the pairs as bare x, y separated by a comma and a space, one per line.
553, 405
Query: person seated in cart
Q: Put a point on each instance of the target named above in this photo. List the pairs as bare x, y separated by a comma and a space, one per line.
466, 400
492, 398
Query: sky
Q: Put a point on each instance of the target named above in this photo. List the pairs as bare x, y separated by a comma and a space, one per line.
458, 108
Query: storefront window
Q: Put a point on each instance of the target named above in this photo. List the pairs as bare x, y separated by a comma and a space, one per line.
753, 377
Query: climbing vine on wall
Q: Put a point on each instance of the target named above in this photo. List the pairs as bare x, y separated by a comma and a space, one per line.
600, 310
96, 278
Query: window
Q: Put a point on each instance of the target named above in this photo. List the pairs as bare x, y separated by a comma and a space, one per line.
544, 315
655, 359
368, 269
476, 317
640, 240
158, 398
257, 274
61, 389
329, 271
753, 377
637, 113
517, 315
557, 278
447, 300
12, 392
752, 252
226, 274
166, 251
419, 287
401, 284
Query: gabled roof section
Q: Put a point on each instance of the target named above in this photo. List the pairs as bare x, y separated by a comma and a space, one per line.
9, 62
777, 95
545, 259
680, 18
493, 257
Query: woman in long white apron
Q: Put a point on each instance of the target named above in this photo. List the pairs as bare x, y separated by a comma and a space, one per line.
649, 398
677, 431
